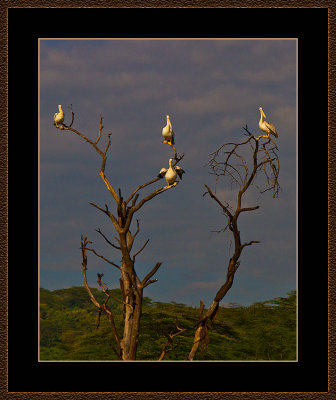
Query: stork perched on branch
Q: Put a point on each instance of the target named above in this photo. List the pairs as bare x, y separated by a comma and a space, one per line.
171, 173
266, 126
168, 133
58, 117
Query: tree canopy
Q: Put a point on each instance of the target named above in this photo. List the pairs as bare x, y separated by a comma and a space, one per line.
262, 331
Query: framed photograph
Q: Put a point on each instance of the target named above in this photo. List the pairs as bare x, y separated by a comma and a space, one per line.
167, 201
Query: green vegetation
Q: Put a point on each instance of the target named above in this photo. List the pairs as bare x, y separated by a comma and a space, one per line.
68, 329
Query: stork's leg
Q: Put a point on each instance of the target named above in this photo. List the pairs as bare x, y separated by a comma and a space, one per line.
171, 184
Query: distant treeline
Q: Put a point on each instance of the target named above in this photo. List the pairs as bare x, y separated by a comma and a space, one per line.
68, 328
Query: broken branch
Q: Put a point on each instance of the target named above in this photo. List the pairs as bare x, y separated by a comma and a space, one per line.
151, 273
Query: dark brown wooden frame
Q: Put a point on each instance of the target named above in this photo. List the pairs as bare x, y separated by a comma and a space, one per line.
331, 394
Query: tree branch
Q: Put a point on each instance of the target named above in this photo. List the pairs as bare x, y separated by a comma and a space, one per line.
109, 214
149, 282
249, 243
100, 130
151, 273
84, 242
72, 116
103, 258
110, 243
141, 187
101, 153
135, 208
170, 337
107, 291
109, 315
138, 252
225, 208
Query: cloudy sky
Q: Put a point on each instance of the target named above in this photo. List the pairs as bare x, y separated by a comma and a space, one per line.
211, 89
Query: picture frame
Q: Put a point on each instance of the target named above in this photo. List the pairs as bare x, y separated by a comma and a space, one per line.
313, 375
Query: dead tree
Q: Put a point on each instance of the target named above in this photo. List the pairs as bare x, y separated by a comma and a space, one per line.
170, 337
131, 284
231, 160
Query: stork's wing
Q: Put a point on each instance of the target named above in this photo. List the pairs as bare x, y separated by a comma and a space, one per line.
173, 138
162, 173
271, 128
179, 171
172, 133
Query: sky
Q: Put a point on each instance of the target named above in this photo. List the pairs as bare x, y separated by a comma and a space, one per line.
210, 89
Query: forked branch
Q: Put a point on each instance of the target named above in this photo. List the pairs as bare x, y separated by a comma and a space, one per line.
103, 154
170, 337
101, 307
146, 280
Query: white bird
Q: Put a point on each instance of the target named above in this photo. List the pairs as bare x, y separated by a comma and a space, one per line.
171, 173
168, 133
59, 117
266, 126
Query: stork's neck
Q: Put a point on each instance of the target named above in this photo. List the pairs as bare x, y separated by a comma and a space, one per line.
261, 118
60, 110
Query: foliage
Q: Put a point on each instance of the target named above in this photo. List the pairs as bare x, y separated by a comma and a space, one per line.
262, 331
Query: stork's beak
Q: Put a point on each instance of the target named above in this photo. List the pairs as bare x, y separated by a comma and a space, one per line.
263, 114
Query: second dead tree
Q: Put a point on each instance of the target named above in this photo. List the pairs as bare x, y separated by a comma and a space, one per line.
231, 161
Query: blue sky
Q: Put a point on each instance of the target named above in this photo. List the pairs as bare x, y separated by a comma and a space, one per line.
211, 89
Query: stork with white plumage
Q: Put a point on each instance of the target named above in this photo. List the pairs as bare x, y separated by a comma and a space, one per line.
168, 133
58, 117
171, 173
266, 126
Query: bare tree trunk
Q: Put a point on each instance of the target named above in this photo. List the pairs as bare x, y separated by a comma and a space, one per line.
138, 296
128, 320
132, 294
201, 335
